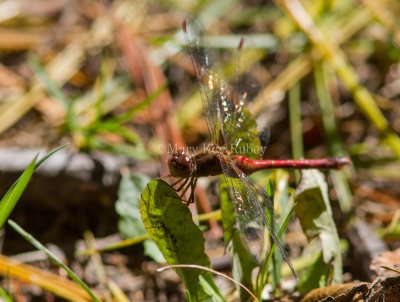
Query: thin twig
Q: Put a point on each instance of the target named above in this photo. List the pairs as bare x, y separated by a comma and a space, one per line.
208, 270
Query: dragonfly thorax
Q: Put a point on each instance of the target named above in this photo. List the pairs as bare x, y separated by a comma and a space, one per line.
181, 164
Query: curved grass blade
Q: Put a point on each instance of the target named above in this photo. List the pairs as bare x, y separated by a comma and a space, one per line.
13, 194
10, 199
28, 237
4, 295
48, 82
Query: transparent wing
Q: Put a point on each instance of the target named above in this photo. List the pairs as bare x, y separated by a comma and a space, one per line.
240, 128
253, 207
228, 123
241, 134
212, 87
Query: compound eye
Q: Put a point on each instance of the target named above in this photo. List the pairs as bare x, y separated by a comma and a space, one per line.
181, 153
180, 164
183, 161
180, 159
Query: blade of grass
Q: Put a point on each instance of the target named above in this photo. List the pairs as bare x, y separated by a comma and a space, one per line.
4, 296
28, 237
60, 69
44, 158
51, 87
384, 15
328, 116
38, 164
339, 178
98, 143
262, 276
296, 129
13, 194
59, 286
341, 31
127, 134
296, 132
118, 245
331, 52
138, 239
117, 292
129, 114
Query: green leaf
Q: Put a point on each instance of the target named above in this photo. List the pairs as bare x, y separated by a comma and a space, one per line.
169, 223
316, 276
315, 214
151, 250
211, 289
127, 207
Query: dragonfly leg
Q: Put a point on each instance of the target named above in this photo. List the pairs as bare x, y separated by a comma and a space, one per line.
177, 182
193, 183
185, 183
189, 185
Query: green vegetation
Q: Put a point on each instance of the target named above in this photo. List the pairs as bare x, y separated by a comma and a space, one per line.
115, 78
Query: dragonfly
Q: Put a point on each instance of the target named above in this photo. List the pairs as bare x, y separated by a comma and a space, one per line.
231, 128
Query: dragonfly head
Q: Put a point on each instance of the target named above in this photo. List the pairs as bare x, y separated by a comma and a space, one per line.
180, 164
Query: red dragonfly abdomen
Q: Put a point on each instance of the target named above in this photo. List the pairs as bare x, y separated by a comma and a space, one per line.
249, 166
